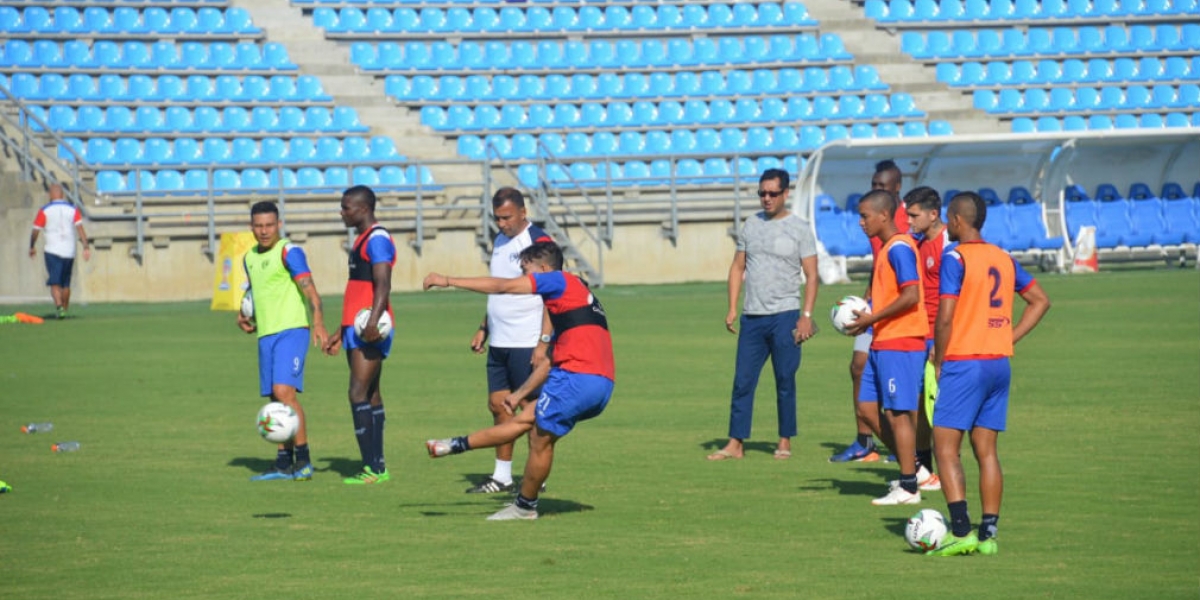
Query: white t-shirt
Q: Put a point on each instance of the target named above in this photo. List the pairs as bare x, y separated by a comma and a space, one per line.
514, 321
58, 219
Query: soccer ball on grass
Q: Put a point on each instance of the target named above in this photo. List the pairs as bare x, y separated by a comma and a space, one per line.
925, 529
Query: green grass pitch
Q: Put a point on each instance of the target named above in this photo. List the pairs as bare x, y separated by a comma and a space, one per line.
1102, 465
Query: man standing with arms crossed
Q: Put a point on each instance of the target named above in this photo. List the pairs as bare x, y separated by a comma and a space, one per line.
513, 322
61, 220
369, 286
972, 346
281, 280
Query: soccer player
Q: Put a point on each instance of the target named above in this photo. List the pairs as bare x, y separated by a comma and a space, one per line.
972, 346
370, 283
887, 177
281, 281
576, 387
895, 364
61, 221
513, 323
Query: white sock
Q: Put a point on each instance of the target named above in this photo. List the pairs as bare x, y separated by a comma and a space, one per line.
503, 471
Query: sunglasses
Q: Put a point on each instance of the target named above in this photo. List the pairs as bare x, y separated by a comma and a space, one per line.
766, 193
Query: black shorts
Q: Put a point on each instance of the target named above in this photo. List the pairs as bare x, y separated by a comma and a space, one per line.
508, 368
58, 270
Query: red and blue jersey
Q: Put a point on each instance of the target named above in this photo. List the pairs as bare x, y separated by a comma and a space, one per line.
371, 247
896, 271
585, 346
929, 252
984, 279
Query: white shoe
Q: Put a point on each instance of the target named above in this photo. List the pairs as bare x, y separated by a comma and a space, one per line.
897, 496
512, 512
928, 482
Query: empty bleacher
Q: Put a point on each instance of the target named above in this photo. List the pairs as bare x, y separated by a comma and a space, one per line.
1138, 217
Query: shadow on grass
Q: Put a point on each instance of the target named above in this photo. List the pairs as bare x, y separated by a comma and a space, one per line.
346, 467
845, 488
342, 466
895, 525
717, 443
254, 465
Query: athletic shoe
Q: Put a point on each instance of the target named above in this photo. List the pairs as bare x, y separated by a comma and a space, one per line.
926, 481
890, 458
61, 313
897, 496
304, 473
856, 453
953, 546
437, 448
273, 475
512, 512
367, 477
491, 486
988, 547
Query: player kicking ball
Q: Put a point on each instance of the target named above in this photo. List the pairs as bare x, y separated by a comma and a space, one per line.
576, 385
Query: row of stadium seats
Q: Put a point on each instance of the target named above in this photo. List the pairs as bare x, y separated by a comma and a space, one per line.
598, 54
126, 20
240, 150
670, 112
140, 55
584, 86
1107, 192
654, 173
166, 88
783, 138
1104, 122
959, 11
1109, 98
542, 20
1038, 41
1071, 71
121, 119
1135, 223
305, 179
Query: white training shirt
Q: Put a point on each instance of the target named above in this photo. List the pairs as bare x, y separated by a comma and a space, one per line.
58, 220
514, 320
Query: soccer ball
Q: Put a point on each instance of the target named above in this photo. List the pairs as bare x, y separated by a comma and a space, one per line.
364, 315
248, 305
843, 312
277, 422
925, 529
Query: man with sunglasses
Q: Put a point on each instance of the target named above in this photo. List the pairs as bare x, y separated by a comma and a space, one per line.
774, 247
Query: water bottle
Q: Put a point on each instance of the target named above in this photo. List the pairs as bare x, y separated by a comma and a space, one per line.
37, 428
65, 447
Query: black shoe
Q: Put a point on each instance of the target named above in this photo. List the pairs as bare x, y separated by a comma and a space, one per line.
491, 486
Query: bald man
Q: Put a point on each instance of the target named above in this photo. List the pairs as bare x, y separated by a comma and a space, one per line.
61, 221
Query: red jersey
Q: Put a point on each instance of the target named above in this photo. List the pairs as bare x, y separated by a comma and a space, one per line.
929, 253
582, 342
372, 246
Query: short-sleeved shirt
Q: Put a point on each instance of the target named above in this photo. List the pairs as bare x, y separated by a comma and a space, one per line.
774, 249
984, 278
894, 270
514, 320
58, 220
372, 246
583, 348
929, 252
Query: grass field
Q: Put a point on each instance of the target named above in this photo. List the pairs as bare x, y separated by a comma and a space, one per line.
1102, 465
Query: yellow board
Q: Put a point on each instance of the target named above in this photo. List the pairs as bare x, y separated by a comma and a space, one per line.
230, 281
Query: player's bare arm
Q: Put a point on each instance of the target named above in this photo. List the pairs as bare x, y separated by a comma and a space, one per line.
910, 295
483, 285
320, 336
381, 275
942, 328
87, 252
33, 243
805, 328
541, 371
1038, 305
245, 324
737, 274
480, 338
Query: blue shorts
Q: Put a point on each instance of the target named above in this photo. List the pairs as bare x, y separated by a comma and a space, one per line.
281, 359
973, 393
508, 368
59, 270
570, 397
894, 377
350, 341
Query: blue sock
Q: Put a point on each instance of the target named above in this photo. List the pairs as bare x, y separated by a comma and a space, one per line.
526, 503
960, 521
909, 482
459, 445
283, 459
987, 527
302, 454
362, 431
377, 419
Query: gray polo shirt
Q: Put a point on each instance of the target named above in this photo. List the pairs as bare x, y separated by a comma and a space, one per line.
773, 253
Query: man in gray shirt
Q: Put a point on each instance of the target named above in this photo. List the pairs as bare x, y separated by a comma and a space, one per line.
773, 248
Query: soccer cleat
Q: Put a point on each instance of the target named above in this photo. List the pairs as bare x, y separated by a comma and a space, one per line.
491, 486
856, 453
304, 473
61, 313
988, 547
437, 448
273, 475
512, 512
954, 546
926, 481
367, 477
897, 496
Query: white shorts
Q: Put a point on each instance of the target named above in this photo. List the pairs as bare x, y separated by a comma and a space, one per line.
862, 342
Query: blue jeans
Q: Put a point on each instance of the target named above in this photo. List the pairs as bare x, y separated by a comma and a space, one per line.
762, 336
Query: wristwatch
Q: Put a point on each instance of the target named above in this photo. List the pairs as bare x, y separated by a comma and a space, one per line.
806, 313
545, 339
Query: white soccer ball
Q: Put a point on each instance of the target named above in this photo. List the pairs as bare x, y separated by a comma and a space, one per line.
842, 314
277, 422
925, 529
248, 305
364, 315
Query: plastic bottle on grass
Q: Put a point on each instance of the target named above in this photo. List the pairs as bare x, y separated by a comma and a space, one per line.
37, 428
65, 447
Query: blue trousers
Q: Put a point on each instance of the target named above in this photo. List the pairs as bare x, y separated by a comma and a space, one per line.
762, 336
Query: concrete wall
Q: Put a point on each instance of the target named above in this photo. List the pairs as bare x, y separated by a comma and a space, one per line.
21, 279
